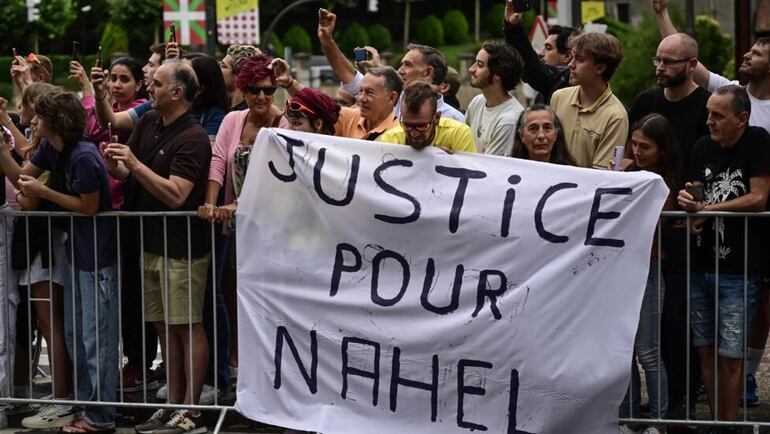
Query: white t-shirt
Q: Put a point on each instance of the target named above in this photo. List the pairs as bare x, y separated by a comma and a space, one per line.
760, 108
493, 128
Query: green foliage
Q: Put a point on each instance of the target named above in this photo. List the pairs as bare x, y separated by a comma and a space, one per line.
379, 37
298, 39
636, 72
13, 21
55, 17
353, 36
430, 31
729, 71
275, 41
140, 19
715, 48
114, 40
493, 20
455, 27
61, 68
6, 90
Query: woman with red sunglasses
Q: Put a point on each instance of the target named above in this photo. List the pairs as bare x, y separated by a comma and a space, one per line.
312, 111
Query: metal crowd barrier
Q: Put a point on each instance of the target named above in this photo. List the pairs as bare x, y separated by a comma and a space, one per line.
122, 400
690, 401
689, 419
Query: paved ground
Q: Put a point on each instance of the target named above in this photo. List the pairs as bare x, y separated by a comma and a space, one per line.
234, 423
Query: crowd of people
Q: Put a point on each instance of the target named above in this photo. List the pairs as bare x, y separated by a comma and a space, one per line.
177, 133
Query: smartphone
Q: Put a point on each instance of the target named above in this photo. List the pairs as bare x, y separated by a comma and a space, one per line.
75, 50
360, 54
13, 50
697, 191
522, 5
99, 57
172, 33
617, 157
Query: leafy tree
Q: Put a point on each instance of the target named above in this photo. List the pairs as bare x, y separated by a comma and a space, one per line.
141, 19
715, 49
430, 31
13, 21
275, 41
55, 17
379, 37
298, 39
493, 20
455, 27
114, 40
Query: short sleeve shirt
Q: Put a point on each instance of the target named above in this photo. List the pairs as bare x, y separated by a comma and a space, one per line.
83, 172
186, 155
450, 134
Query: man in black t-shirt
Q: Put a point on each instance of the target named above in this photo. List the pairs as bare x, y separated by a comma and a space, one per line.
167, 159
683, 103
677, 97
733, 163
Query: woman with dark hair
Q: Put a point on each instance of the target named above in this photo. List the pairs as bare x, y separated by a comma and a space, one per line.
654, 149
211, 103
312, 111
540, 137
41, 263
78, 183
125, 88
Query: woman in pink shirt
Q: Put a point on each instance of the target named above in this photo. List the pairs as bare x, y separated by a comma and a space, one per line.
229, 162
125, 88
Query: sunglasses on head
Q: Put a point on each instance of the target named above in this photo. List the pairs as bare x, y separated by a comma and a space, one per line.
298, 107
255, 90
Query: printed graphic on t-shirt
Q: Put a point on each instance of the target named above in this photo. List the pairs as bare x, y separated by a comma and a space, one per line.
724, 186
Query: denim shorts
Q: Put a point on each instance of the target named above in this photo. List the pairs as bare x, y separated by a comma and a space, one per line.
732, 326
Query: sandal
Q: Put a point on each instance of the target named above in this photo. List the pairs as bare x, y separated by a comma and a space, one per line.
81, 426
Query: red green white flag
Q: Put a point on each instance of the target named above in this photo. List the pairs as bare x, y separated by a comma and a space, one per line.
189, 18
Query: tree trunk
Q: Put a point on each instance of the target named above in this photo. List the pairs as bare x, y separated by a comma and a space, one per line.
407, 13
477, 22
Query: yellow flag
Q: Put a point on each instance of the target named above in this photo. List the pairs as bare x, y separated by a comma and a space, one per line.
228, 8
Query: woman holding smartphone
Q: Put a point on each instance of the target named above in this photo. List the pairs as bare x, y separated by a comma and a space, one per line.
654, 149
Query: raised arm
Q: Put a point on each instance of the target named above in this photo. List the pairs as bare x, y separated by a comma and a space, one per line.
667, 28
537, 74
337, 60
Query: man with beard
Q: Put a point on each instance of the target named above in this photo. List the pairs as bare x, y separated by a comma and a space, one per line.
492, 115
755, 71
677, 97
680, 100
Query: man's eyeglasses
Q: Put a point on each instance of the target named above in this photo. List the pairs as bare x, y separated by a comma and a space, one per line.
420, 126
657, 61
298, 107
255, 90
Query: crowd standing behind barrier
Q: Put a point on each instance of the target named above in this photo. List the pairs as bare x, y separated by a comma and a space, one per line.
174, 162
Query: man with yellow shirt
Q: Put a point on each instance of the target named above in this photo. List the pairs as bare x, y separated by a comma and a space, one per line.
594, 119
422, 124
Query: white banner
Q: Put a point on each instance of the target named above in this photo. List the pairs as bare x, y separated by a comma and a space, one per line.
383, 289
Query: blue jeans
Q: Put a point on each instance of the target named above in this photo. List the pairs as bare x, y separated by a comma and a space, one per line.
222, 350
646, 349
731, 327
92, 339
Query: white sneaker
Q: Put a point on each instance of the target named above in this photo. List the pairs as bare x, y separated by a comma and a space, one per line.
162, 393
652, 430
49, 417
625, 429
208, 395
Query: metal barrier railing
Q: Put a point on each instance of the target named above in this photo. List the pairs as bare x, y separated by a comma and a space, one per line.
185, 218
113, 220
690, 416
